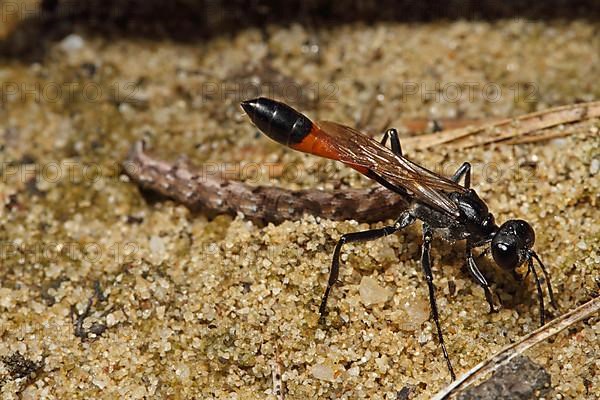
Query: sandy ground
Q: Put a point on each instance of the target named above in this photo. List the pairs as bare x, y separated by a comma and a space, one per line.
186, 307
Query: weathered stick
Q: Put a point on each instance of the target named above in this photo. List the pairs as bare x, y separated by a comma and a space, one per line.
214, 195
506, 129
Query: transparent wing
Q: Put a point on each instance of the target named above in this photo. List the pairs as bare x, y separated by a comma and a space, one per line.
357, 149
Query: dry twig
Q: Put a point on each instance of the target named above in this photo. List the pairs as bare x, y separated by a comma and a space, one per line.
277, 376
510, 128
214, 195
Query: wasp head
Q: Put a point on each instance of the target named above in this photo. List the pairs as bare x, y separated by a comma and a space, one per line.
512, 243
511, 247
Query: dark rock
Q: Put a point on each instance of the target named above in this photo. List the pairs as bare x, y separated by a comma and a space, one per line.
520, 379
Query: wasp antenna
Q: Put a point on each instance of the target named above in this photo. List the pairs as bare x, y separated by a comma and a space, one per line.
538, 285
548, 281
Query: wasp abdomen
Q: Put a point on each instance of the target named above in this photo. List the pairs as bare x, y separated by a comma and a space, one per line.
279, 121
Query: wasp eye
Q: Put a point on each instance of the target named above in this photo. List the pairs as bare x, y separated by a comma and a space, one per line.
524, 232
506, 255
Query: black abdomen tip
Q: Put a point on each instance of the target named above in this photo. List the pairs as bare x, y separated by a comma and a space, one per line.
278, 120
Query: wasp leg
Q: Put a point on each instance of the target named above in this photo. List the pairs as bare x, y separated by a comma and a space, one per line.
479, 278
463, 170
548, 281
402, 222
539, 292
384, 138
426, 264
394, 140
437, 126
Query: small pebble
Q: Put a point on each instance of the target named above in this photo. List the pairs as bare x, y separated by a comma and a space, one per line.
595, 166
72, 43
371, 292
323, 372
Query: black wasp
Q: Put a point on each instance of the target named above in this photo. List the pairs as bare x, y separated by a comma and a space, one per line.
456, 212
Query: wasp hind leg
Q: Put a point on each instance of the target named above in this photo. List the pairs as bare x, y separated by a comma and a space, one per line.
402, 222
426, 264
463, 170
394, 140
